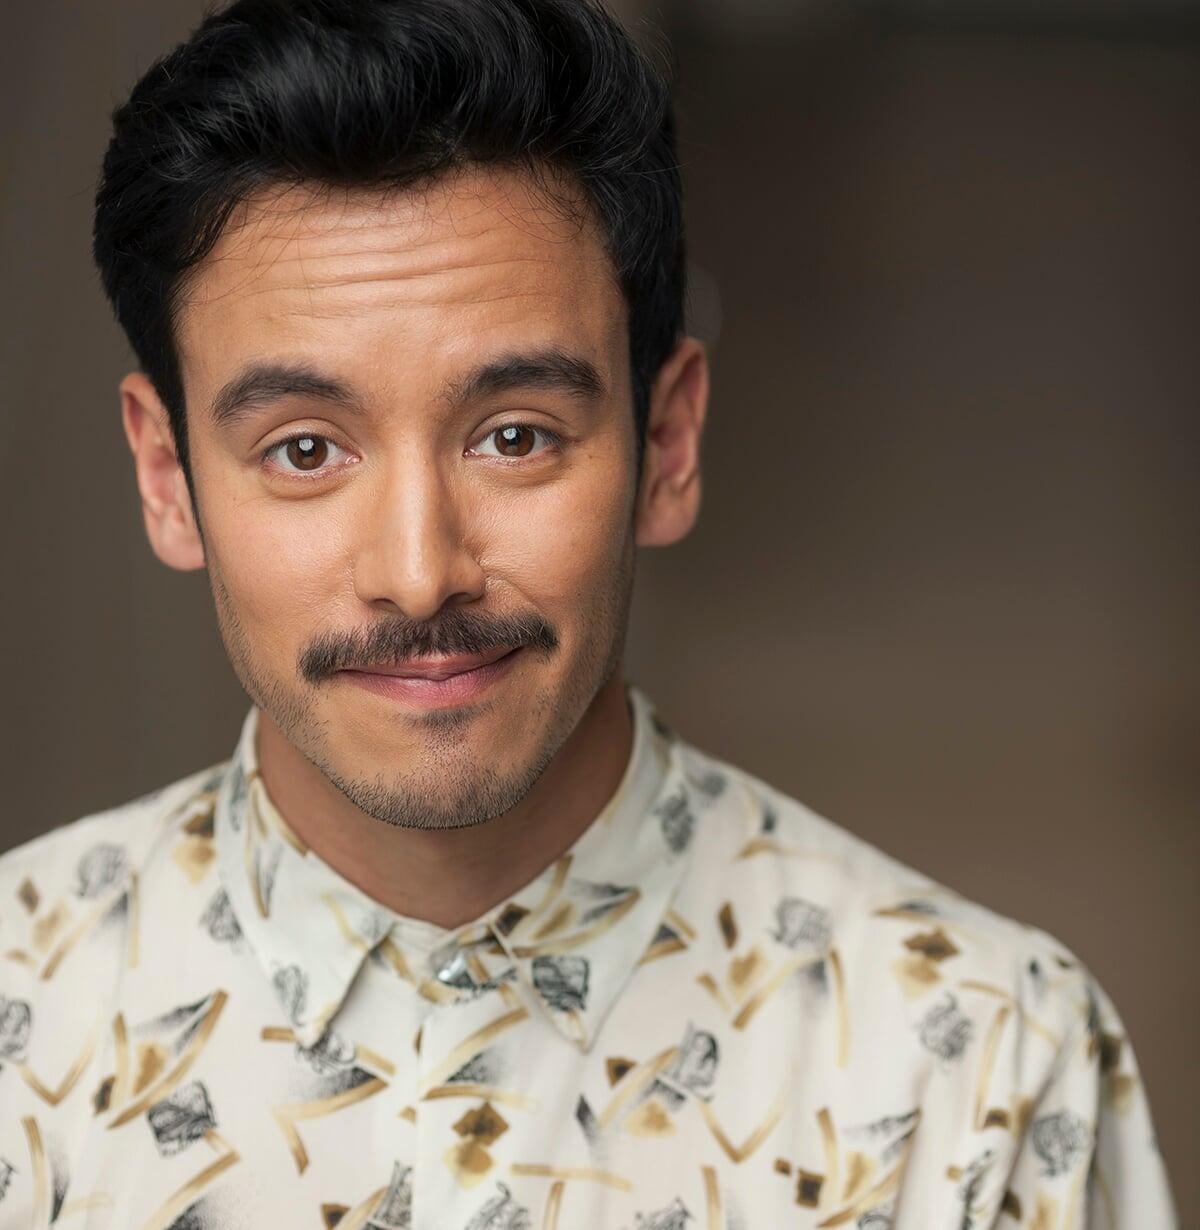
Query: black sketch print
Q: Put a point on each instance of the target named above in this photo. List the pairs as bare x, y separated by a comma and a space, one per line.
769, 821
501, 1212
675, 817
237, 794
800, 923
970, 1189
1060, 1140
100, 868
331, 1054
219, 921
874, 1219
695, 1067
674, 1217
710, 782
181, 1119
886, 1136
291, 984
605, 897
266, 867
15, 1019
394, 1210
562, 981
486, 1068
945, 1031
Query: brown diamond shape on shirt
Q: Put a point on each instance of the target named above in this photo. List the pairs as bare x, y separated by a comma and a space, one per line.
935, 944
483, 1123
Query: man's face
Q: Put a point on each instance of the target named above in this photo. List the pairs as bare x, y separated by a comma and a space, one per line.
411, 436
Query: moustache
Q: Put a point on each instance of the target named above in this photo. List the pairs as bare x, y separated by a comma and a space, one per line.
398, 638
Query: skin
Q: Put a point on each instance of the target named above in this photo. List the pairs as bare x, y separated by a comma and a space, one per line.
416, 533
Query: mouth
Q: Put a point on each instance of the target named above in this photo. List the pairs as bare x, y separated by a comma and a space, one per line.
435, 682
439, 667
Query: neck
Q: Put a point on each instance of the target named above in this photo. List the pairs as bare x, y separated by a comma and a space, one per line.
451, 876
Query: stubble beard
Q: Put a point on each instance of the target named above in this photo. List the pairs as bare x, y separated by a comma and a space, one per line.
449, 789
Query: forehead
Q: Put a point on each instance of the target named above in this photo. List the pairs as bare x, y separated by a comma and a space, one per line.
482, 257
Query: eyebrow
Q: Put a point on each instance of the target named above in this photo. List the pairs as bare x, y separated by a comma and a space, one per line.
260, 384
553, 368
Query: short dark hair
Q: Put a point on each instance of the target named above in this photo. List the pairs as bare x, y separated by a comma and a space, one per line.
388, 93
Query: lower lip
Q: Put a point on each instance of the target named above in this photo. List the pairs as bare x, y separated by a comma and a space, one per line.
434, 693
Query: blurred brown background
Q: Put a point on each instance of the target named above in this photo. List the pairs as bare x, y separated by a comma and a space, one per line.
944, 589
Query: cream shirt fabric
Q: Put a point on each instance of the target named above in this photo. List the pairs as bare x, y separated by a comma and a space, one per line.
716, 1011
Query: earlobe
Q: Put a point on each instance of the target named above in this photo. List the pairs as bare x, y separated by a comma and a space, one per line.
669, 497
166, 502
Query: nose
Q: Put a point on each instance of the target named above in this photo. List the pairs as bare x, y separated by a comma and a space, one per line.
413, 554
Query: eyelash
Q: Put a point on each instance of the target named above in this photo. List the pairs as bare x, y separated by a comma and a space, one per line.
552, 438
297, 435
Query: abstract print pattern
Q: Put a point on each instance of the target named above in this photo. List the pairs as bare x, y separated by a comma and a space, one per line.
715, 1011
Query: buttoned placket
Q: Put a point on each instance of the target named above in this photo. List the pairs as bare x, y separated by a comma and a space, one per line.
432, 1013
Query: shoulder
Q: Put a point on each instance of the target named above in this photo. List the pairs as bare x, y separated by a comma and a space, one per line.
47, 883
995, 1033
802, 882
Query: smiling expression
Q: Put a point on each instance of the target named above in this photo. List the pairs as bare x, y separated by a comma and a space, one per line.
411, 433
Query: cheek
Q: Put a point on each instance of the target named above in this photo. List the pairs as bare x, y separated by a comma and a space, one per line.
281, 564
559, 543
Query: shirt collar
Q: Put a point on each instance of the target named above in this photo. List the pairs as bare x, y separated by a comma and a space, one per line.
570, 938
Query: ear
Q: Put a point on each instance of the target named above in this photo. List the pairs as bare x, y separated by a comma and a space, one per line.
166, 502
669, 494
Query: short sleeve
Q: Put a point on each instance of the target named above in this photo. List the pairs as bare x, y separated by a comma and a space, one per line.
1088, 1158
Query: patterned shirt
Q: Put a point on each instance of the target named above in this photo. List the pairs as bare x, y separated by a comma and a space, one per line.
715, 1011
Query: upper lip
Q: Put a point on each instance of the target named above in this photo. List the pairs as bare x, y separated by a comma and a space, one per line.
437, 668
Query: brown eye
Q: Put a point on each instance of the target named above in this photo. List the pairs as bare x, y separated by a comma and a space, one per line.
518, 440
515, 440
307, 452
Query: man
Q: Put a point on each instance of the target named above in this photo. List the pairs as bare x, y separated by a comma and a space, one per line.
464, 935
